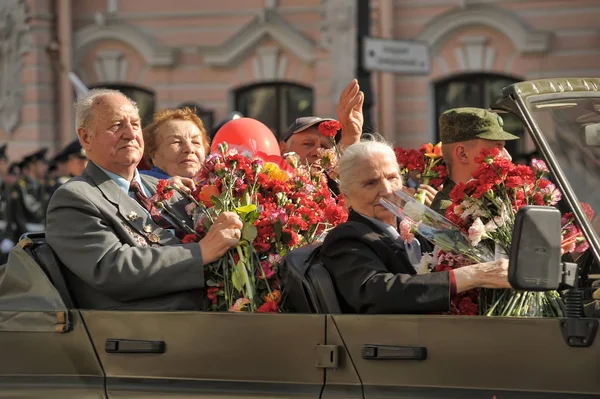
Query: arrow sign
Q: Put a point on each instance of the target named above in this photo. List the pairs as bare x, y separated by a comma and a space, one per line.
399, 56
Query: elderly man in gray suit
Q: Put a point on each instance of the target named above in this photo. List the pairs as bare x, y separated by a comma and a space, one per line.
120, 251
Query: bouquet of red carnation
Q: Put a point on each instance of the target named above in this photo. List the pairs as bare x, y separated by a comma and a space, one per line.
282, 206
425, 165
484, 208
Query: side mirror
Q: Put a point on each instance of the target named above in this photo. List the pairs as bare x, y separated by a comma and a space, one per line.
590, 135
535, 258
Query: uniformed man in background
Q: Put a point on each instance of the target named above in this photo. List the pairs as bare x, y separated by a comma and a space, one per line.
29, 196
57, 172
5, 234
76, 158
73, 161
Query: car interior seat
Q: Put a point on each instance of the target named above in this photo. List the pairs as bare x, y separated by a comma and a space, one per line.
307, 282
36, 246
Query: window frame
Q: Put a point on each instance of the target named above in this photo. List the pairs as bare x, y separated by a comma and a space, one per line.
279, 86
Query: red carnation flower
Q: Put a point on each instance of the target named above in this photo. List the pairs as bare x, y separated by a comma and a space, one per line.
188, 238
329, 128
163, 190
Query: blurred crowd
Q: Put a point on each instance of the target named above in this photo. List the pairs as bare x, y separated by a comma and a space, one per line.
26, 188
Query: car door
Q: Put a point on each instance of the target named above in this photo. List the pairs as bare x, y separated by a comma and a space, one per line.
466, 357
205, 354
45, 351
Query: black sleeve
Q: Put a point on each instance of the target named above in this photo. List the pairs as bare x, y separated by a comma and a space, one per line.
366, 285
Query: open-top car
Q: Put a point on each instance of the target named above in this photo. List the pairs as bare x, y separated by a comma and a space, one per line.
51, 349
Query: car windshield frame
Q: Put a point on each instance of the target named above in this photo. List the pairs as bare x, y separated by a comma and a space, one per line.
519, 99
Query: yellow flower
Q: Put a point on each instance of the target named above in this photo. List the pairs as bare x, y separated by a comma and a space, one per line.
274, 172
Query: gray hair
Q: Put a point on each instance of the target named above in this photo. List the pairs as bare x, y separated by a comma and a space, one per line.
84, 105
354, 156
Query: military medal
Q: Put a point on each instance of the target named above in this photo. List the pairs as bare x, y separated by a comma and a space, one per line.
147, 228
133, 216
153, 237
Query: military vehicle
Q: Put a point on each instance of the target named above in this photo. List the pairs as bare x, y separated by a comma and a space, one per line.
51, 349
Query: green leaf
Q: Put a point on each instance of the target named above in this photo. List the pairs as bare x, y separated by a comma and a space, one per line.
249, 232
237, 278
245, 279
242, 210
219, 204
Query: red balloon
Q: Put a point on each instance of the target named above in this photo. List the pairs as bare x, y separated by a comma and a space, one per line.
246, 134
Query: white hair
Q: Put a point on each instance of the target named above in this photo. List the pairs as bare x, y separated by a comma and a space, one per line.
84, 105
354, 156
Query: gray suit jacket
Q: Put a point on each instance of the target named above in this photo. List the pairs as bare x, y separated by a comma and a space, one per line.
115, 255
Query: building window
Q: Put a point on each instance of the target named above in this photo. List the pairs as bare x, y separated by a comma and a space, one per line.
205, 115
144, 98
478, 90
276, 105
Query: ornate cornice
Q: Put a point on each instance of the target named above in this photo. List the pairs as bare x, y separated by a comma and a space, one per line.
268, 24
525, 39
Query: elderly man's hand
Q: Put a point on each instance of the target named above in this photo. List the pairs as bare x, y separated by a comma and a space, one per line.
225, 233
350, 114
182, 183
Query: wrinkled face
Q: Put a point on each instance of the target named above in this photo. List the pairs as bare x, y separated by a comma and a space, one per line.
76, 165
306, 144
113, 138
376, 177
180, 149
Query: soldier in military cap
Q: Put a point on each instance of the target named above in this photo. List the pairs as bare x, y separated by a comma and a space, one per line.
76, 158
464, 133
73, 161
57, 172
5, 242
29, 196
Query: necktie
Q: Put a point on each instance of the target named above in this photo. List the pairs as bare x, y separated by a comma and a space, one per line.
148, 205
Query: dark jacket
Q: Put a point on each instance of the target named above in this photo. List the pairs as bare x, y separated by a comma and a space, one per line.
442, 196
371, 273
115, 256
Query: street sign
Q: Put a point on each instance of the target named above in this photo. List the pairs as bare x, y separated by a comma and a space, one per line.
399, 56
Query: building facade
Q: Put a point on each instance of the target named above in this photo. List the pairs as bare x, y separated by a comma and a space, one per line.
275, 60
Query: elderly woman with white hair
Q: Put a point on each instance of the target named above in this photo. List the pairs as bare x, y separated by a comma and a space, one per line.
366, 257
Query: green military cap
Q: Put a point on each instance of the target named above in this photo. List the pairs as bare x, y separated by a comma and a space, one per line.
464, 124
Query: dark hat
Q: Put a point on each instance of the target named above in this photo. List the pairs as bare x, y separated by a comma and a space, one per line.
58, 158
464, 124
3, 151
14, 168
74, 149
302, 124
36, 156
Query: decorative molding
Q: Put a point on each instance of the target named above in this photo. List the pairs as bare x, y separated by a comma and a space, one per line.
474, 54
154, 55
269, 65
525, 39
112, 6
15, 36
339, 37
268, 24
111, 66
